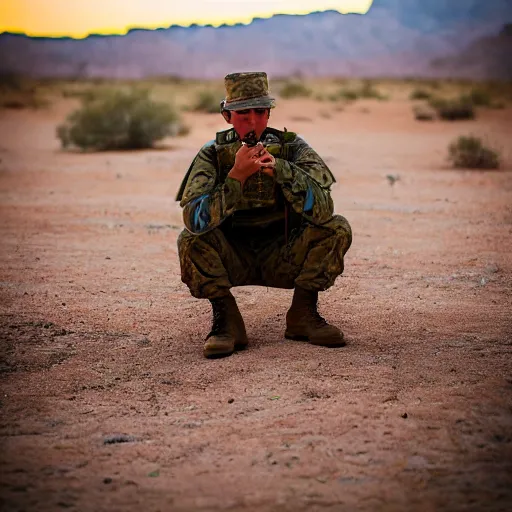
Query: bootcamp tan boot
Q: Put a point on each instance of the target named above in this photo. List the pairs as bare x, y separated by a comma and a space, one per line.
303, 322
228, 329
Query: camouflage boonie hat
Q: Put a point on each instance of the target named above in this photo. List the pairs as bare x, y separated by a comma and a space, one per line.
247, 90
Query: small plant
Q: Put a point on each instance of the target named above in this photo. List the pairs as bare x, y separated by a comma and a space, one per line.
294, 89
479, 98
366, 91
116, 119
207, 101
420, 94
433, 84
369, 91
469, 152
81, 93
424, 113
348, 94
17, 93
453, 110
182, 130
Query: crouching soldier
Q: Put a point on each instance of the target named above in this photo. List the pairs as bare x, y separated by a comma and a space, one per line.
258, 211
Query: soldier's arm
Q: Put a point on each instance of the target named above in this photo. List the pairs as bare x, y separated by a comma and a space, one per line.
207, 203
305, 181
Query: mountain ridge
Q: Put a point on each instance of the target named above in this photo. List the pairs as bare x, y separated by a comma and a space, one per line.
389, 40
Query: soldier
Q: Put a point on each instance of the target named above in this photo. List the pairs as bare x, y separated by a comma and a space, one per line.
258, 211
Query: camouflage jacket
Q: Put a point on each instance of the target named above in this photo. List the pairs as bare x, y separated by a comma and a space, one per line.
301, 181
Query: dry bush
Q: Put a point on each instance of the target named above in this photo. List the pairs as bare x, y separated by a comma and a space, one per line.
366, 91
433, 84
489, 96
17, 93
369, 91
114, 119
207, 101
294, 89
420, 94
453, 109
469, 152
424, 113
479, 98
348, 94
79, 93
182, 130
168, 79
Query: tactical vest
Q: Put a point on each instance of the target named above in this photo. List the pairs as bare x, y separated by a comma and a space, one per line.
259, 189
262, 201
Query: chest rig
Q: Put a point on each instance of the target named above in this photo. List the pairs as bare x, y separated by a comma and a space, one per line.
260, 189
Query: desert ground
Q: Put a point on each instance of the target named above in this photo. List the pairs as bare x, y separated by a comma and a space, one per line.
107, 403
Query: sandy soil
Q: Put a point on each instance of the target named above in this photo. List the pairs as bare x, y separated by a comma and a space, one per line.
107, 403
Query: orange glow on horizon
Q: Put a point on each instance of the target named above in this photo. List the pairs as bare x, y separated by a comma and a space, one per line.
80, 18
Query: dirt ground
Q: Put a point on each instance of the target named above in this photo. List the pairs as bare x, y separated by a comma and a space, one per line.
107, 403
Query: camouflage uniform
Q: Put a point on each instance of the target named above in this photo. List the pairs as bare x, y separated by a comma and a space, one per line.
277, 232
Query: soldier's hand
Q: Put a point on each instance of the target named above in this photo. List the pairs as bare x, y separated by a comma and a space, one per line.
268, 163
247, 162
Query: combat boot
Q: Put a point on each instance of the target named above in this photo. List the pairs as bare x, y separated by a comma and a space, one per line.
228, 329
303, 322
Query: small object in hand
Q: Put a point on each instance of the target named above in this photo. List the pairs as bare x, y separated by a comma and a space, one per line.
250, 139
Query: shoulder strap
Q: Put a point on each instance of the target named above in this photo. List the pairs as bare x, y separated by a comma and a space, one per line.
283, 135
179, 195
226, 137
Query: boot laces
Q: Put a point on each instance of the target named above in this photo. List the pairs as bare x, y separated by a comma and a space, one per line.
218, 320
317, 317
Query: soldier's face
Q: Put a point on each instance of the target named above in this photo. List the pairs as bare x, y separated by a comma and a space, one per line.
245, 121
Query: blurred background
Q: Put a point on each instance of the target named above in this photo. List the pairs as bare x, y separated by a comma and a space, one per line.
163, 60
383, 38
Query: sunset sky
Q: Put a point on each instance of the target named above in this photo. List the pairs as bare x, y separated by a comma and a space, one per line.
77, 18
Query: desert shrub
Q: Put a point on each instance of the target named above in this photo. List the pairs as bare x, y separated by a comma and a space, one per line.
479, 98
332, 97
424, 113
294, 89
182, 130
433, 84
453, 109
420, 94
18, 93
207, 101
348, 94
366, 91
369, 91
469, 152
169, 79
80, 93
118, 120
23, 99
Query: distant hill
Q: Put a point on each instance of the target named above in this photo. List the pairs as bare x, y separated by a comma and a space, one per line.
395, 38
489, 56
433, 15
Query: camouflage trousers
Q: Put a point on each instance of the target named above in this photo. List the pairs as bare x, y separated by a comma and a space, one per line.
310, 257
